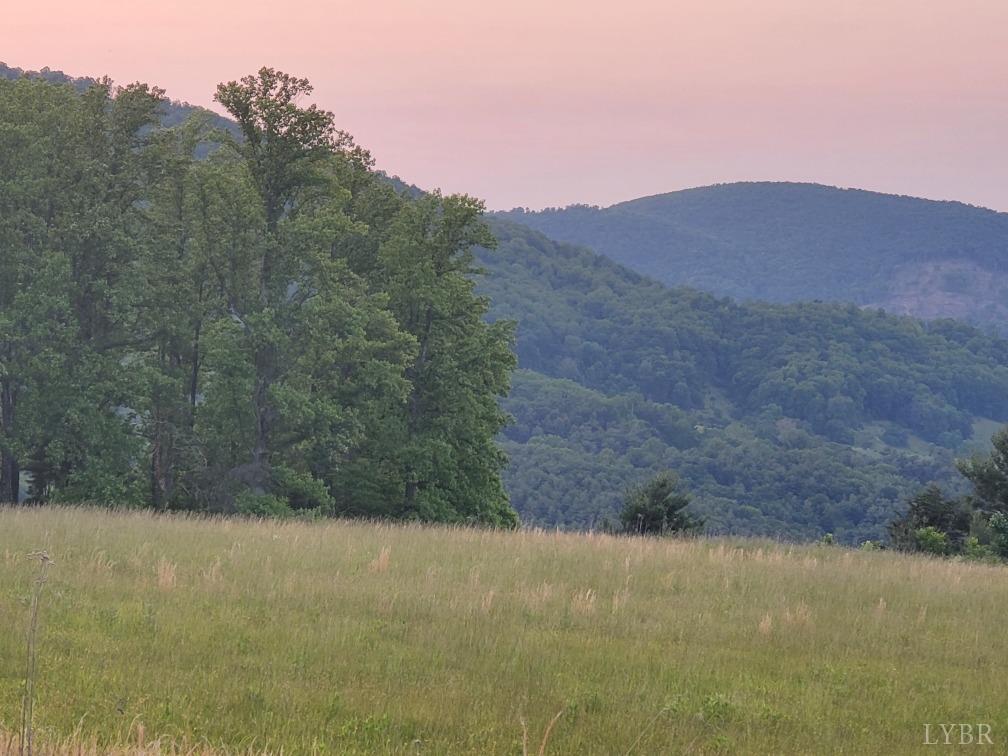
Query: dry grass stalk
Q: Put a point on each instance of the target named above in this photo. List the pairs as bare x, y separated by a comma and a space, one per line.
583, 602
213, 573
800, 615
28, 702
647, 730
166, 574
10, 745
486, 604
545, 738
381, 562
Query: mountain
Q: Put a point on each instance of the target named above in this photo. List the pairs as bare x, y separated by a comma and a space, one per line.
789, 242
788, 420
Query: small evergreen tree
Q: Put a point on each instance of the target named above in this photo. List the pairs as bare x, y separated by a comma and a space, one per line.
658, 507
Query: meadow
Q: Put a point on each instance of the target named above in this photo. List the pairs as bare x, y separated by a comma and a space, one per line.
162, 634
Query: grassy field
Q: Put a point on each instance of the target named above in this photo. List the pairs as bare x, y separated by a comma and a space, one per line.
358, 638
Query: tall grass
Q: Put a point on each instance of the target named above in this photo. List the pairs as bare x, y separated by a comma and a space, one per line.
340, 637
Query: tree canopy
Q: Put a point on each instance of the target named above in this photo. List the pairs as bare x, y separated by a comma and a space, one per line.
197, 319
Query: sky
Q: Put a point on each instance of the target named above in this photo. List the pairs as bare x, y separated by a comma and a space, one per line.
536, 103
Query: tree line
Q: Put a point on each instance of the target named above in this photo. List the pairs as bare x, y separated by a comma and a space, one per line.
258, 323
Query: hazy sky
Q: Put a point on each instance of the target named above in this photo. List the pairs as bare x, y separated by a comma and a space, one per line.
550, 102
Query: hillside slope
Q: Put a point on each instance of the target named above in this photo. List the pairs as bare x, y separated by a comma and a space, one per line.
787, 242
329, 637
787, 420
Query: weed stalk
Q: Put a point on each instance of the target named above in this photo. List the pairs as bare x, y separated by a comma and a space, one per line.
27, 704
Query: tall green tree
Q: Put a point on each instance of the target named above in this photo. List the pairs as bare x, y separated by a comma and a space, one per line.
71, 227
302, 329
176, 300
437, 457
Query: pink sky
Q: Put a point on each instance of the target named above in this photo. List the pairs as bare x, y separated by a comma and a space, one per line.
549, 102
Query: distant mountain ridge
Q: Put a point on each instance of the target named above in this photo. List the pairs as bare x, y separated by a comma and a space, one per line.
791, 242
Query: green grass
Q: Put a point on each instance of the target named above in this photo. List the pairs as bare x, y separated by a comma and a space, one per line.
359, 638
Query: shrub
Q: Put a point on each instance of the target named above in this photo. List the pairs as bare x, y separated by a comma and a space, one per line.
262, 505
930, 540
658, 507
302, 491
975, 551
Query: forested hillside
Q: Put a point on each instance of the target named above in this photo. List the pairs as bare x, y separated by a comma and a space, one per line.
791, 420
784, 242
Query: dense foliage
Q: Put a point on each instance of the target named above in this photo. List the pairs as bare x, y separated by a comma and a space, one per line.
974, 525
268, 328
658, 507
784, 242
790, 420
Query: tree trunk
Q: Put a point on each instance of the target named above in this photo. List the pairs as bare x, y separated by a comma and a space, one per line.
413, 409
409, 499
10, 469
260, 451
194, 375
155, 488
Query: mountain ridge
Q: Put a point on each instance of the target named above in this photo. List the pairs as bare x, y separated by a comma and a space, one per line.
790, 242
808, 184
